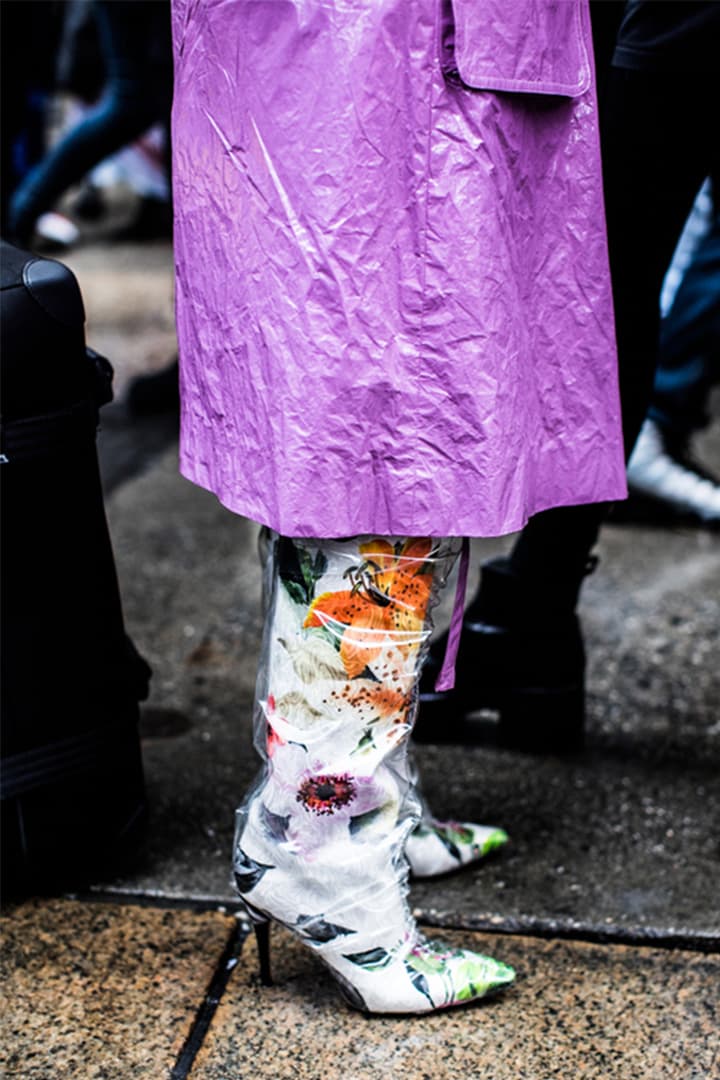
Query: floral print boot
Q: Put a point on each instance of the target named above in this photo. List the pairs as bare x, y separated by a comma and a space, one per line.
438, 847
320, 839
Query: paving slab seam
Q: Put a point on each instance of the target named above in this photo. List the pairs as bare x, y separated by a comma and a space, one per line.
156, 899
524, 926
612, 934
206, 1011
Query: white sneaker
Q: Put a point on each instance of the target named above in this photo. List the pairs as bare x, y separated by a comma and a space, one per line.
57, 229
654, 472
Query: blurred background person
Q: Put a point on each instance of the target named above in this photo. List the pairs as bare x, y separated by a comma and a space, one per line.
522, 651
135, 45
29, 43
662, 466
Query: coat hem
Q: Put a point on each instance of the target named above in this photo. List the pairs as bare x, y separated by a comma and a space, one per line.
246, 509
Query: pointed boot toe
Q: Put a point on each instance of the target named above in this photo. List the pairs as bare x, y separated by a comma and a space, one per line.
440, 847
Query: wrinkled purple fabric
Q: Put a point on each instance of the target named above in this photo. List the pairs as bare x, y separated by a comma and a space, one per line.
393, 299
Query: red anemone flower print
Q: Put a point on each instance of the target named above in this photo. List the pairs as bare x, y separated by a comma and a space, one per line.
273, 739
326, 793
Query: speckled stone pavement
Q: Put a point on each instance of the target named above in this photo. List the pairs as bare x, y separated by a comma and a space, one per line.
107, 992
605, 901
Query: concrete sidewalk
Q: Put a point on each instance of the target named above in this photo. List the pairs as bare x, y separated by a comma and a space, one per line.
605, 901
100, 991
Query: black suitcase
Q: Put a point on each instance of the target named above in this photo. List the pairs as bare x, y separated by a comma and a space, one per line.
73, 798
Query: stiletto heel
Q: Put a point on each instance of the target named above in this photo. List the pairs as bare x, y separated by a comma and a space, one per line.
262, 937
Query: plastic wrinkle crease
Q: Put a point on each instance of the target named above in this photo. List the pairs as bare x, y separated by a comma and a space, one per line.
331, 726
393, 297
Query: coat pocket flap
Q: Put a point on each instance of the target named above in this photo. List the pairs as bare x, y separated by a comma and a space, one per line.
525, 46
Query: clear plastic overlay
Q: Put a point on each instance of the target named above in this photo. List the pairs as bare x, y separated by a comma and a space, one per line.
320, 839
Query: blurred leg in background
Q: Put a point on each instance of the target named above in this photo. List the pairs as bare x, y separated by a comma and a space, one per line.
662, 467
521, 652
28, 44
135, 41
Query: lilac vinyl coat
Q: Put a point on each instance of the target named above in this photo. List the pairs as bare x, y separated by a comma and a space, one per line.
393, 300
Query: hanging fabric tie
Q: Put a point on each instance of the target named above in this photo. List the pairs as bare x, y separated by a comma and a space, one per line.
446, 678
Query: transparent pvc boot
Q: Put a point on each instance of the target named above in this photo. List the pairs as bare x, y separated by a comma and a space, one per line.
438, 847
320, 840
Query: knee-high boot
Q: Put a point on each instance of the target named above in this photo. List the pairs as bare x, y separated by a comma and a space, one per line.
320, 839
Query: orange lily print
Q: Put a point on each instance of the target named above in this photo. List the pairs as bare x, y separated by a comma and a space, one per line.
372, 702
389, 596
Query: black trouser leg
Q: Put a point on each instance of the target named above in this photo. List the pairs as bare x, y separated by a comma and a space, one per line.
658, 143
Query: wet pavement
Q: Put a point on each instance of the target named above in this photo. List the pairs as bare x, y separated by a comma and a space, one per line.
606, 901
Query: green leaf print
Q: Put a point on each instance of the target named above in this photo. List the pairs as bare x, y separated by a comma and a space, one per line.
366, 743
495, 840
248, 872
306, 564
422, 831
299, 570
315, 928
425, 962
320, 565
362, 821
296, 593
420, 983
472, 977
443, 836
324, 633
274, 826
372, 960
460, 834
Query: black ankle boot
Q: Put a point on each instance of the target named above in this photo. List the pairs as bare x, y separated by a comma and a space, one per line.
156, 393
521, 656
